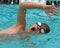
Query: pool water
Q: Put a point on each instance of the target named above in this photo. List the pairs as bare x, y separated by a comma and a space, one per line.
8, 17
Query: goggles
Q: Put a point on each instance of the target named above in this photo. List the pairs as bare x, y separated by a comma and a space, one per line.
41, 29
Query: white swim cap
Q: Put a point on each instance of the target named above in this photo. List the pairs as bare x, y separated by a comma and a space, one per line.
39, 23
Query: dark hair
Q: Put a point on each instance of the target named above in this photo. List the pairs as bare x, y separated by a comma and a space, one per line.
47, 30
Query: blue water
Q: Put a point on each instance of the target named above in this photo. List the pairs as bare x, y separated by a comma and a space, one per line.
8, 16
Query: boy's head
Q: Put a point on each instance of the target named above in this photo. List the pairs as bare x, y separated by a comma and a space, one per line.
39, 27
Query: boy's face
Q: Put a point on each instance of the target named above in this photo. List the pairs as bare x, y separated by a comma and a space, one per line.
34, 28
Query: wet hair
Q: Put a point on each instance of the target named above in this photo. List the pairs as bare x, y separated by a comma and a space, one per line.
47, 30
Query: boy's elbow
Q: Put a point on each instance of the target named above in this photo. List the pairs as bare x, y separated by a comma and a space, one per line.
22, 5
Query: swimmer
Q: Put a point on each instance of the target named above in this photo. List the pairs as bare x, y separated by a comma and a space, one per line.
21, 21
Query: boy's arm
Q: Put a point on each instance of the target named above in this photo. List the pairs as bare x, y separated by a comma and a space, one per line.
22, 10
32, 5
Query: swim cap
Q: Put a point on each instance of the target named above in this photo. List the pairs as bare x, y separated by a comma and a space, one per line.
42, 30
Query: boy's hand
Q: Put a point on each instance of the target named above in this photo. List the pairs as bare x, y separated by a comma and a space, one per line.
50, 9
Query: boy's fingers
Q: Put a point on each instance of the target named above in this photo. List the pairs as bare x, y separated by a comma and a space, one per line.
55, 10
48, 14
55, 13
52, 7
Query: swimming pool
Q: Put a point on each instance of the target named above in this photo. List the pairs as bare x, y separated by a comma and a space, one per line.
8, 18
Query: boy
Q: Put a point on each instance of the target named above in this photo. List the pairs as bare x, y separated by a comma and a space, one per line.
21, 22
